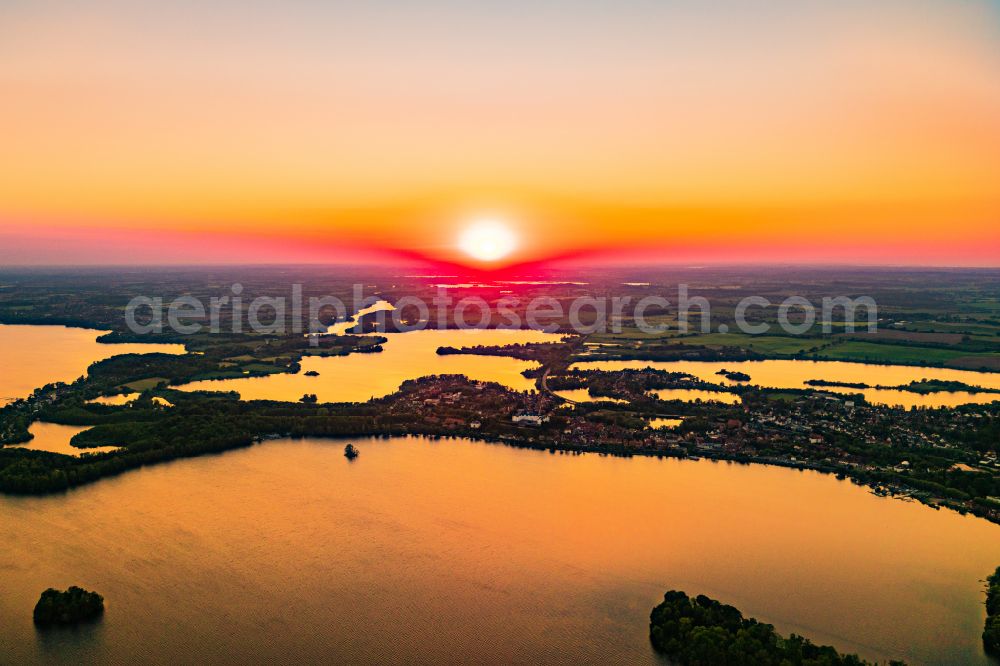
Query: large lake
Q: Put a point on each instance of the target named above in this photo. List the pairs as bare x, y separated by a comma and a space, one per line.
445, 551
457, 551
32, 356
358, 377
794, 374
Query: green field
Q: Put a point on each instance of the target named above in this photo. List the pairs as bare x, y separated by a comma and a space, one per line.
782, 396
145, 384
763, 344
889, 353
974, 328
990, 305
629, 334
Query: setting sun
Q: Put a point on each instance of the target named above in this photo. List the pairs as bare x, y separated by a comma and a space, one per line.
487, 240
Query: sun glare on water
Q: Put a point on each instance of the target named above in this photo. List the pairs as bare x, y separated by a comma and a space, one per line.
487, 240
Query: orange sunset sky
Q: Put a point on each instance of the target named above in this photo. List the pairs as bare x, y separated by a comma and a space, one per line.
839, 131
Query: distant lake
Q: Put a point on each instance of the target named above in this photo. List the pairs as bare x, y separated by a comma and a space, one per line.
55, 438
32, 356
583, 395
794, 374
691, 395
358, 377
427, 551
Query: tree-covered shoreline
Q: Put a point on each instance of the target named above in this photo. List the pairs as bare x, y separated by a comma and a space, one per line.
700, 631
991, 631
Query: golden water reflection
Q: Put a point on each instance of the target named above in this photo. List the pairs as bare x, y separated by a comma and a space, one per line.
665, 423
583, 395
120, 399
32, 356
441, 551
358, 377
794, 374
54, 438
691, 395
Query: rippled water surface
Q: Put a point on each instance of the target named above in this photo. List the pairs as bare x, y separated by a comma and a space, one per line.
451, 550
32, 356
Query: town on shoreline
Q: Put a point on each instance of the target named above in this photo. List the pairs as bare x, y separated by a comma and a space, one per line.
942, 456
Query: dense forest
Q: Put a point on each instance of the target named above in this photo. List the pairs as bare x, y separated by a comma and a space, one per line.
198, 426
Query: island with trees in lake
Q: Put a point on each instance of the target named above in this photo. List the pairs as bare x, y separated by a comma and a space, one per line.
699, 631
68, 607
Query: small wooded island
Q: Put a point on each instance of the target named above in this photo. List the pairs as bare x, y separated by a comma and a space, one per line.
733, 375
703, 632
73, 606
